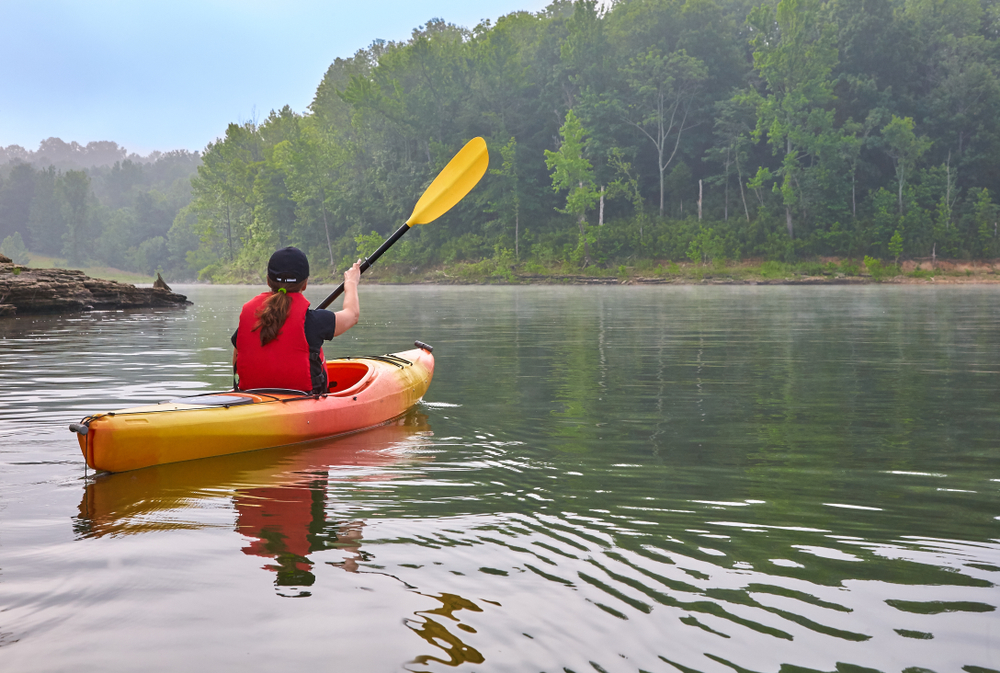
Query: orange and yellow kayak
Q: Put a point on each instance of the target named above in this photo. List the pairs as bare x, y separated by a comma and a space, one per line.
364, 392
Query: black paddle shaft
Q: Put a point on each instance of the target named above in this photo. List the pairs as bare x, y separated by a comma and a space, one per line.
369, 261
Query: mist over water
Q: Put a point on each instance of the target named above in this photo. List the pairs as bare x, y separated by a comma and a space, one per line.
611, 479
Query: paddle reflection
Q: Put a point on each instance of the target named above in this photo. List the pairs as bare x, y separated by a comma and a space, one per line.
433, 630
279, 495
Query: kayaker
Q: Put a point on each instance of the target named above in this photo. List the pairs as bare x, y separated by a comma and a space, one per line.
279, 339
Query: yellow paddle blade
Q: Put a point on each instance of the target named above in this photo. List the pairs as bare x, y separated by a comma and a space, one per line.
453, 182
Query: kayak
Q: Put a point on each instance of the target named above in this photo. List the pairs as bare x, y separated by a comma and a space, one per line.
364, 392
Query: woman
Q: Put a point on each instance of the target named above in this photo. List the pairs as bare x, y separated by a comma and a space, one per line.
279, 339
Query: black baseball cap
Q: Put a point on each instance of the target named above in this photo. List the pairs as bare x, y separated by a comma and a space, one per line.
288, 265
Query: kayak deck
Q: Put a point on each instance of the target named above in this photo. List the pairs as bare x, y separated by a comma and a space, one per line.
364, 392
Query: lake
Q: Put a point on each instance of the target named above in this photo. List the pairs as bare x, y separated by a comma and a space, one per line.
599, 479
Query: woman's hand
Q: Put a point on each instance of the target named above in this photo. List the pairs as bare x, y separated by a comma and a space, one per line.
348, 316
353, 275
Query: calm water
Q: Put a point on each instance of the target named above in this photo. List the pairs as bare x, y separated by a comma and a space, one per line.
612, 479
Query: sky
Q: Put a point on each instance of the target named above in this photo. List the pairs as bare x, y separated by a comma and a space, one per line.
168, 75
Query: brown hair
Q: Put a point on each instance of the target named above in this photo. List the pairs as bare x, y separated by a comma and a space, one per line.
272, 314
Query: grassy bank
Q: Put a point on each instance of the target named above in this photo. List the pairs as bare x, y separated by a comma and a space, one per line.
825, 271
505, 271
103, 272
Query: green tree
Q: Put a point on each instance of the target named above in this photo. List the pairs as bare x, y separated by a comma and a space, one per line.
73, 189
573, 173
47, 222
896, 246
985, 222
507, 201
794, 51
16, 193
313, 165
223, 187
13, 247
905, 148
659, 101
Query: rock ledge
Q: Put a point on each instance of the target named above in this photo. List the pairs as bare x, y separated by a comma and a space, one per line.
24, 290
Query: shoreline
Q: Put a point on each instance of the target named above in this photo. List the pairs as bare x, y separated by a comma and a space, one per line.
826, 271
581, 280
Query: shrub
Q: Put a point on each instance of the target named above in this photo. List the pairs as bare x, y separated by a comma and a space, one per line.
878, 270
773, 269
13, 247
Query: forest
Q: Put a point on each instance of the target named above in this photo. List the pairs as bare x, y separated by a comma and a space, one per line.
94, 204
625, 136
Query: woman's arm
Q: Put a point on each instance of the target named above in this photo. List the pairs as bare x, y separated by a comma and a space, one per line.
347, 317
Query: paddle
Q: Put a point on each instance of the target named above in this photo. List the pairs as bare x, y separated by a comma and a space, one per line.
450, 186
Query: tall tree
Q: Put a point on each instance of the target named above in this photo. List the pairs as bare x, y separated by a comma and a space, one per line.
507, 201
659, 102
16, 193
47, 222
573, 173
905, 148
73, 189
794, 52
313, 164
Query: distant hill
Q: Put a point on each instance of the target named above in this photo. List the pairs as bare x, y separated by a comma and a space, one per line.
72, 155
99, 205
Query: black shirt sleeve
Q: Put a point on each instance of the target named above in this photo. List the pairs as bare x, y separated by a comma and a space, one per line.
320, 326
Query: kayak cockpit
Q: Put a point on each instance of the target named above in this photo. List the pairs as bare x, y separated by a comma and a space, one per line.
345, 376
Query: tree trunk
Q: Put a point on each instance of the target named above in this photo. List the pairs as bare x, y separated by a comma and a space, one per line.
788, 209
725, 198
326, 227
699, 200
661, 190
947, 197
600, 216
743, 196
517, 253
901, 179
854, 192
229, 231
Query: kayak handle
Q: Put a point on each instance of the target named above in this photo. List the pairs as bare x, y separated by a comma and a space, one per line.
79, 428
426, 347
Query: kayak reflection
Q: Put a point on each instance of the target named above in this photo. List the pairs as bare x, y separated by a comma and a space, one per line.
280, 496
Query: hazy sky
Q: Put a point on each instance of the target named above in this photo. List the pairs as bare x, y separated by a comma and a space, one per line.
163, 75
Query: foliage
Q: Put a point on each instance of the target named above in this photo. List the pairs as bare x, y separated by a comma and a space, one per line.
878, 270
13, 247
98, 213
848, 128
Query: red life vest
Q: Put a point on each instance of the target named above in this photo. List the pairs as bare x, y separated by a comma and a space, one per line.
283, 362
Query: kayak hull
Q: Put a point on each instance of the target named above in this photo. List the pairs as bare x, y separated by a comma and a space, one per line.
364, 393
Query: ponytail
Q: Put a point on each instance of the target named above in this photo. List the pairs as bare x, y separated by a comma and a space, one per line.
272, 314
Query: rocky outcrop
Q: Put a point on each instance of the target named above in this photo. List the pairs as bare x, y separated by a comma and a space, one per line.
24, 290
